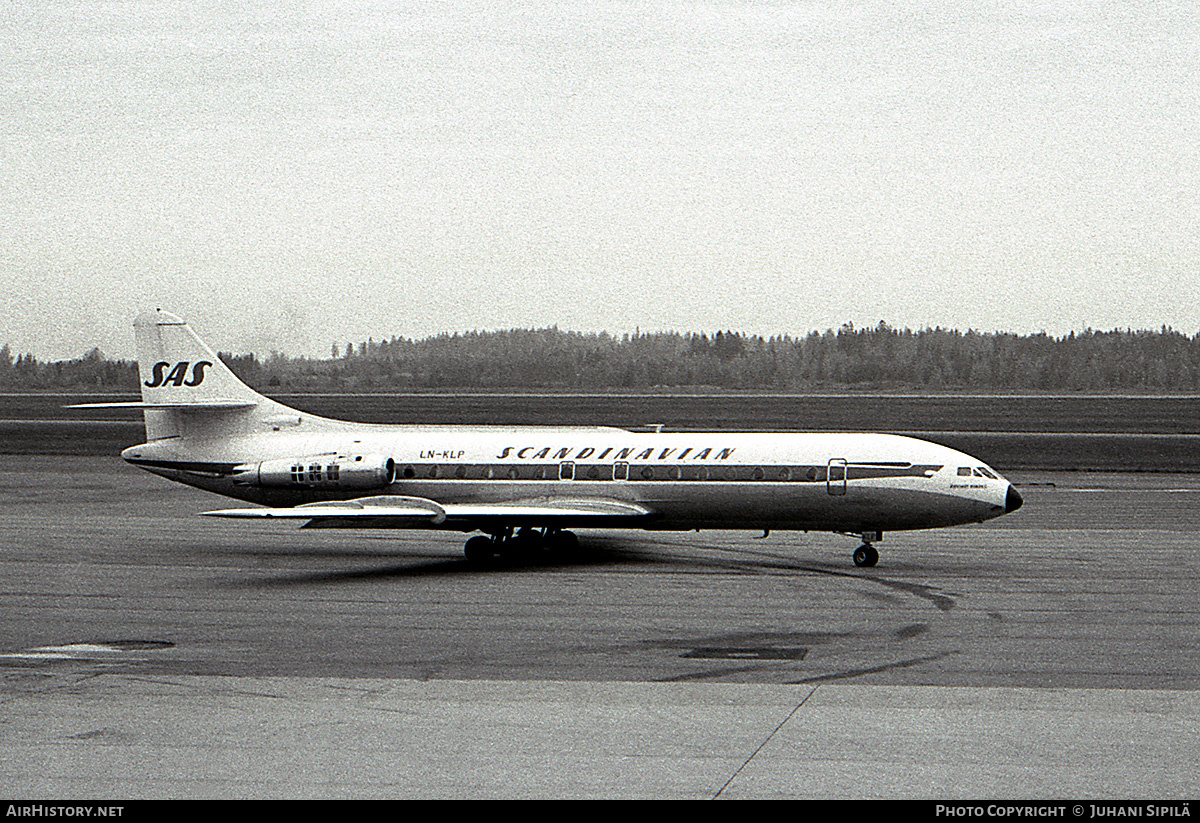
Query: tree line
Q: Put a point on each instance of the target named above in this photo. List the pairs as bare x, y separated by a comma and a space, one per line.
876, 358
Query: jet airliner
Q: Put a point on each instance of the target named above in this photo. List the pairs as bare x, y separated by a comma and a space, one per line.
525, 488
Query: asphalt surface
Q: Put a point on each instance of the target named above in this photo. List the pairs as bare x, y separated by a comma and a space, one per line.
110, 581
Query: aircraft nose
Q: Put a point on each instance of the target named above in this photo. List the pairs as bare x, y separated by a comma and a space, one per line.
1013, 500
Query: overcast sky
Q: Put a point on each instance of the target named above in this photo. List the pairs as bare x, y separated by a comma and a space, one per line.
290, 175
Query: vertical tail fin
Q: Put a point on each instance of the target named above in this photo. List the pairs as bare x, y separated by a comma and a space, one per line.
188, 392
177, 367
183, 380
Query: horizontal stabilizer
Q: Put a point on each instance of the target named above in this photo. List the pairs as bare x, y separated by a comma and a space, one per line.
180, 405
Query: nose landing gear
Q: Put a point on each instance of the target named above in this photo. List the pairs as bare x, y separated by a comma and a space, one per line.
865, 556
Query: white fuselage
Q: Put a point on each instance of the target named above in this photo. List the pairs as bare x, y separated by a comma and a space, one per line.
529, 486
811, 481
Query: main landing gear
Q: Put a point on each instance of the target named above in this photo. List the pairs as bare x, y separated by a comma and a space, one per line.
525, 545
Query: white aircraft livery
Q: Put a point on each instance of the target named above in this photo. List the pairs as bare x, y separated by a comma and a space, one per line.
525, 487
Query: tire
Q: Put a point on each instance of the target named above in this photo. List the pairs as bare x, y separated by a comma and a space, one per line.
865, 556
479, 550
564, 543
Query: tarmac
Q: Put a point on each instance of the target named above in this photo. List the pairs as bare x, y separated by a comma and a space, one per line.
114, 736
149, 653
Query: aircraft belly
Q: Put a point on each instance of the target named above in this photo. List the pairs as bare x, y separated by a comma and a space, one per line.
725, 505
811, 508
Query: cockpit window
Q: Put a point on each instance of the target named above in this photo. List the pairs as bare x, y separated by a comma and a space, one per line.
982, 471
964, 471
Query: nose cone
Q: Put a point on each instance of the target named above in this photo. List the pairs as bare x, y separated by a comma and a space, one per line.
1013, 500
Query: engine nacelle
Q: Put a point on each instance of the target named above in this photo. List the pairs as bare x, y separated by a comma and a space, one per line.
326, 471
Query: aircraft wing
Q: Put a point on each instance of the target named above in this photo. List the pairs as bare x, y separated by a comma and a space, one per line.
396, 511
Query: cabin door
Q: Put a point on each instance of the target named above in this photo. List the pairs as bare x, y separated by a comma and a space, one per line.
835, 476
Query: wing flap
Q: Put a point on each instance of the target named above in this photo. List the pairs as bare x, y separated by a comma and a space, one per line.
391, 506
549, 507
398, 510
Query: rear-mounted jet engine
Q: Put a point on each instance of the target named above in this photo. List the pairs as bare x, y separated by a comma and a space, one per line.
329, 471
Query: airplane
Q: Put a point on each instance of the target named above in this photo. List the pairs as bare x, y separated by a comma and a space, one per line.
525, 488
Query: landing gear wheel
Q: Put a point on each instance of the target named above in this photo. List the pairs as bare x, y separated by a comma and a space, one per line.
525, 544
865, 556
563, 543
479, 550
